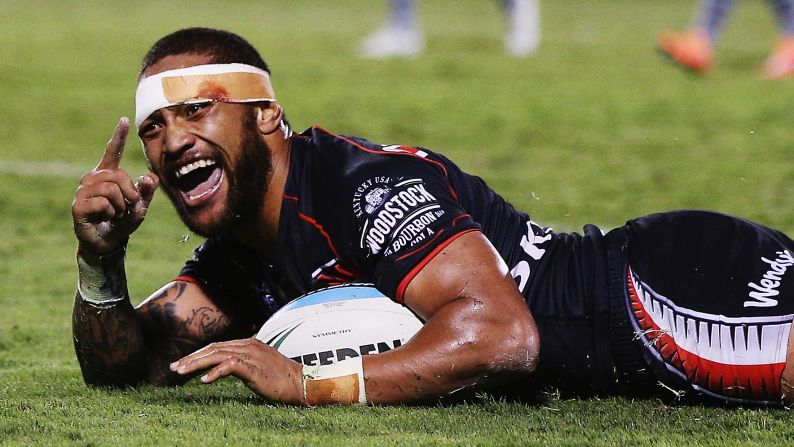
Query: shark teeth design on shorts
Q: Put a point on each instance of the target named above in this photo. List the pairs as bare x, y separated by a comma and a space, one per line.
728, 357
190, 167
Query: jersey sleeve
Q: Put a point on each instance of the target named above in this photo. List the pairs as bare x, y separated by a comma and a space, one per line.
223, 269
406, 212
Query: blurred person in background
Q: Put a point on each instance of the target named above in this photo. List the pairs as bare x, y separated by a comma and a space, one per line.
693, 49
402, 35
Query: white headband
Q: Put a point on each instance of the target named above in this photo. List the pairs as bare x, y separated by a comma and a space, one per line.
201, 83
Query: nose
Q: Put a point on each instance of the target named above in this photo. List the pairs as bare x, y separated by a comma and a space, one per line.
177, 138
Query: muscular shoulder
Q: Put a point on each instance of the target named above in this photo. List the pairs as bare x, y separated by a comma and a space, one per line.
349, 156
347, 179
383, 208
346, 174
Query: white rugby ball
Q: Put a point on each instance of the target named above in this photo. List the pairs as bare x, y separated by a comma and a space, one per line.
329, 325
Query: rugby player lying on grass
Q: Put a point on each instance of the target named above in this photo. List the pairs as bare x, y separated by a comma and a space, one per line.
693, 300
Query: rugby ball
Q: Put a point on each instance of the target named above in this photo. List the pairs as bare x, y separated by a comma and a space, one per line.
332, 324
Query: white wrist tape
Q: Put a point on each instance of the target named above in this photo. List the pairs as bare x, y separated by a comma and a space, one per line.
103, 284
341, 382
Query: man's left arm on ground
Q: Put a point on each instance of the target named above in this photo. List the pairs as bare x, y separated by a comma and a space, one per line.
478, 330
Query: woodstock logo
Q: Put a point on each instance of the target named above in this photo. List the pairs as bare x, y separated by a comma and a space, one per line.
762, 294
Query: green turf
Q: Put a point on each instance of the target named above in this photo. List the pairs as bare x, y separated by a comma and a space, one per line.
595, 128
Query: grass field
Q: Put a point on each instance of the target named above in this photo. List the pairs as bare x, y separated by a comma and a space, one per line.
594, 129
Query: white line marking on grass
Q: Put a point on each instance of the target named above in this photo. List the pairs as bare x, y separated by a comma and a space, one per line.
42, 168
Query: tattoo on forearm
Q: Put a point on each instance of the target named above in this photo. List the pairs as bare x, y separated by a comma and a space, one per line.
204, 323
207, 322
171, 335
108, 343
121, 346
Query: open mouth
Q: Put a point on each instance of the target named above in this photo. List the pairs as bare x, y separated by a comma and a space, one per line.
198, 180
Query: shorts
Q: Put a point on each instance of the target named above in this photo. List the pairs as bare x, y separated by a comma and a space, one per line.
701, 302
567, 295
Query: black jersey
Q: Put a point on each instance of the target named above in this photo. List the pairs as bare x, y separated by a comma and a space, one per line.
692, 300
355, 211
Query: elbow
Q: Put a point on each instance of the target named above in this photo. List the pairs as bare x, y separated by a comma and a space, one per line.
108, 381
102, 374
520, 347
501, 348
500, 345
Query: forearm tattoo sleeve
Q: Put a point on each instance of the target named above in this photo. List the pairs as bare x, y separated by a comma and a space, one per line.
107, 335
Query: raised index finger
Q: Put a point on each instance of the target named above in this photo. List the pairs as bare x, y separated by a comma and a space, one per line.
114, 148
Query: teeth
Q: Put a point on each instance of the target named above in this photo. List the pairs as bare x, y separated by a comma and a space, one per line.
193, 166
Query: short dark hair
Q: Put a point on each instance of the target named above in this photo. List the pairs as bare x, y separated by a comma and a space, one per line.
223, 46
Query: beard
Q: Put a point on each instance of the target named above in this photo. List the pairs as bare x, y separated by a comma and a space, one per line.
246, 176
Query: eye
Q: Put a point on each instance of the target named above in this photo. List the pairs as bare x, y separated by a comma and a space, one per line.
149, 130
192, 109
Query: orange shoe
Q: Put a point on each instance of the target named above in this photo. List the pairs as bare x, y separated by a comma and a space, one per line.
691, 49
780, 64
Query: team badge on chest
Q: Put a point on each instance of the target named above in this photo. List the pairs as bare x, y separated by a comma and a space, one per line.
394, 213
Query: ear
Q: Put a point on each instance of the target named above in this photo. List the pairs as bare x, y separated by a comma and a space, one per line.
268, 117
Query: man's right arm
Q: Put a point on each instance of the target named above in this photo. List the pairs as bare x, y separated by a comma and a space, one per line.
123, 346
109, 343
117, 344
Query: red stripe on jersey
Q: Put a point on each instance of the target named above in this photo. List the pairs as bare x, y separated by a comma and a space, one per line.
751, 382
351, 272
421, 247
185, 278
288, 197
407, 153
322, 231
330, 280
344, 271
410, 276
456, 219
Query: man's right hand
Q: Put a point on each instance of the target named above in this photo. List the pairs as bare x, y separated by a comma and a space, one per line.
108, 206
